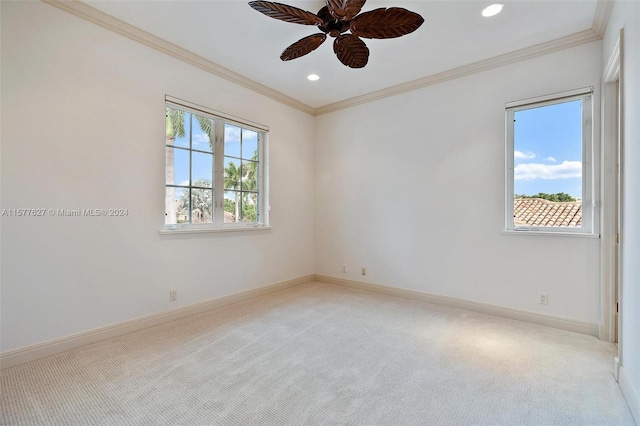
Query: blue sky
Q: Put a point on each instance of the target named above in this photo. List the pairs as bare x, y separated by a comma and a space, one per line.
548, 149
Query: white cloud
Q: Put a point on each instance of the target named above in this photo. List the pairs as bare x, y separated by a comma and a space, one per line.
530, 171
519, 155
553, 160
231, 133
200, 139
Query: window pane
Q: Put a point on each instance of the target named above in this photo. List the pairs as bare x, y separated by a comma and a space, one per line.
249, 207
202, 169
174, 213
177, 167
203, 134
231, 140
249, 176
231, 206
548, 165
201, 205
249, 144
232, 173
190, 164
177, 127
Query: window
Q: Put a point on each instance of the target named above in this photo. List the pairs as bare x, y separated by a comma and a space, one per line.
549, 163
215, 171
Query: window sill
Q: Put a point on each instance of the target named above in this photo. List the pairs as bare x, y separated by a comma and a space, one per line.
213, 230
551, 233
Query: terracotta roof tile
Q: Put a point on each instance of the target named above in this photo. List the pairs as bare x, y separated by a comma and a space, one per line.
540, 212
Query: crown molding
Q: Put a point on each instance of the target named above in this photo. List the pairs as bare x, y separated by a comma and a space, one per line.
84, 11
601, 17
566, 42
91, 14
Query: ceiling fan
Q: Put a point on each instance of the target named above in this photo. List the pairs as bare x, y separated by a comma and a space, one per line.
335, 19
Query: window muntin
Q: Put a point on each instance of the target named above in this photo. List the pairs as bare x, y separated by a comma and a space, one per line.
549, 163
214, 171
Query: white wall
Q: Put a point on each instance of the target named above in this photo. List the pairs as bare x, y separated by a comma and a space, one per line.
626, 14
412, 187
82, 127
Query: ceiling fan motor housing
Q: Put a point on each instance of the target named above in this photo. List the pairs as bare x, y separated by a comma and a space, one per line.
330, 25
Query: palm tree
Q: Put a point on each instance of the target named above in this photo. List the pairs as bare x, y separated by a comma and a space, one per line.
235, 178
232, 180
250, 183
239, 179
206, 124
250, 174
174, 128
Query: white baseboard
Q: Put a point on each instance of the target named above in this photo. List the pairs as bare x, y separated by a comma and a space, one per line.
30, 353
583, 327
630, 394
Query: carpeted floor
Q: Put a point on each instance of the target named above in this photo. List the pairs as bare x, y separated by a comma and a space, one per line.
323, 354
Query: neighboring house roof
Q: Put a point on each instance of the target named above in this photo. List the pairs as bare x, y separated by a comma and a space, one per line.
540, 212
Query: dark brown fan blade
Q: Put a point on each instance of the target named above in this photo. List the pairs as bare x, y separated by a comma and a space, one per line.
386, 23
303, 46
286, 13
344, 10
351, 51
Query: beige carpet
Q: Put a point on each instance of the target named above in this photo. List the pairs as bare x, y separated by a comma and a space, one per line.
323, 354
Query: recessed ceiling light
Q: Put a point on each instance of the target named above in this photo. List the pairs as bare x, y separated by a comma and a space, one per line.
313, 77
494, 9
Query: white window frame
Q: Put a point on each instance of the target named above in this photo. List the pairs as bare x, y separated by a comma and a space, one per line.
588, 171
218, 224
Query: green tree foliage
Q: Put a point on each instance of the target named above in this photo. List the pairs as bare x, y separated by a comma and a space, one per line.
175, 122
558, 197
250, 173
243, 178
249, 208
233, 180
201, 202
206, 124
229, 205
174, 125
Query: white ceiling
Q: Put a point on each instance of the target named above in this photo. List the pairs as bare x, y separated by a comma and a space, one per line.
233, 35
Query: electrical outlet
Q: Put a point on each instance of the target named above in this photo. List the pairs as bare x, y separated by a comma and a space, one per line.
344, 269
173, 295
364, 271
543, 298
